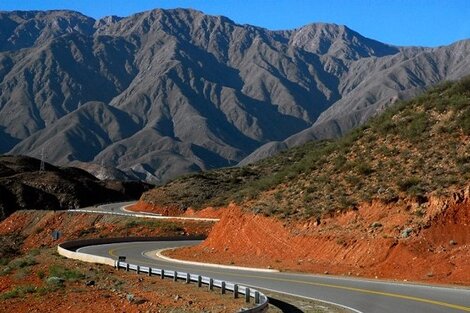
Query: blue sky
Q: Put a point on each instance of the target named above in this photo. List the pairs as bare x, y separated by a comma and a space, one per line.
399, 22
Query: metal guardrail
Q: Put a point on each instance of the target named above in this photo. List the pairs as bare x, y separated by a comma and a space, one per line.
260, 299
68, 249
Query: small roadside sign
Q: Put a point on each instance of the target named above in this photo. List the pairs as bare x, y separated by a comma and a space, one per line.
121, 258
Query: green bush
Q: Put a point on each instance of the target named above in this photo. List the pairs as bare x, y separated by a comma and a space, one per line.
23, 262
408, 183
18, 292
65, 273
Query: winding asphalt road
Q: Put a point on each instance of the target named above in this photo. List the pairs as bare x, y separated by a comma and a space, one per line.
360, 295
120, 208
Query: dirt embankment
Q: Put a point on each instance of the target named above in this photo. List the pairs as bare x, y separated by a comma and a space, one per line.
427, 241
36, 227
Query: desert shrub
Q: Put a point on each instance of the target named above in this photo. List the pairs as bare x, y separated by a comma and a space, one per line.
23, 262
464, 121
18, 292
406, 184
65, 273
414, 126
364, 168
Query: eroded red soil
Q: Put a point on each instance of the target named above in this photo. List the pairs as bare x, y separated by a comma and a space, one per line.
37, 226
369, 241
209, 212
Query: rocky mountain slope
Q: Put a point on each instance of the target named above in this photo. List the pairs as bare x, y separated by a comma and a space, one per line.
414, 150
392, 193
165, 92
22, 186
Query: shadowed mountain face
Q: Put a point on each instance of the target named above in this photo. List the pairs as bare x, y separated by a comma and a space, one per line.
23, 187
165, 92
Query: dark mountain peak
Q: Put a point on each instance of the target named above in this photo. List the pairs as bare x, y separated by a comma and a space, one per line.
112, 19
338, 41
173, 21
24, 29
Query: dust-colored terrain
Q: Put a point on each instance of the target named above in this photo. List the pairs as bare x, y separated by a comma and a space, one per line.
375, 240
36, 227
34, 278
43, 281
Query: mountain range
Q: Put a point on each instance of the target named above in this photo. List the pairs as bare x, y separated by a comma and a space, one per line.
165, 92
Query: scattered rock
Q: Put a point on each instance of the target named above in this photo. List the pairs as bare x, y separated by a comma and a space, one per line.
406, 232
376, 224
139, 300
130, 297
325, 272
89, 283
54, 280
452, 242
177, 297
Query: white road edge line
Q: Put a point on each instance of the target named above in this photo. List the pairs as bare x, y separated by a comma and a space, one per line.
124, 208
158, 253
145, 216
308, 298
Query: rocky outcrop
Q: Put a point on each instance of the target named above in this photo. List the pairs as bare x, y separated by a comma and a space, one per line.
23, 186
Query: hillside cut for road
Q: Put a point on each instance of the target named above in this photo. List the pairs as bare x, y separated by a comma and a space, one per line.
166, 92
24, 187
391, 194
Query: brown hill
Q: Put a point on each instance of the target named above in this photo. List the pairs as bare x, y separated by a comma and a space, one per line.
414, 150
23, 186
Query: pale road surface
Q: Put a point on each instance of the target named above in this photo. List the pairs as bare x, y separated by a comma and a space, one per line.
120, 209
362, 295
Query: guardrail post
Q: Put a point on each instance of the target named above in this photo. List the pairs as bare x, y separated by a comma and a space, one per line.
235, 291
256, 297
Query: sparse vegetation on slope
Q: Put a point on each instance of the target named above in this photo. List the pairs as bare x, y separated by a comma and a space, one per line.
413, 149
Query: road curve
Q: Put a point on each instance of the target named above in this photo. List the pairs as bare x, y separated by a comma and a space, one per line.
120, 209
360, 295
